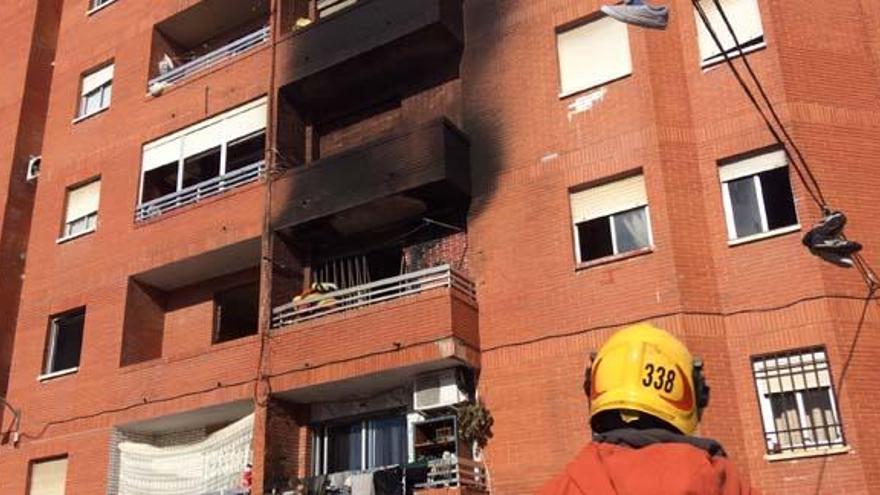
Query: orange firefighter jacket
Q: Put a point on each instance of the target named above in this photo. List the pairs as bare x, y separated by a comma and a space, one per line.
632, 462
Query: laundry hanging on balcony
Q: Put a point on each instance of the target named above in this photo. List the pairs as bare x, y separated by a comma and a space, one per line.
213, 465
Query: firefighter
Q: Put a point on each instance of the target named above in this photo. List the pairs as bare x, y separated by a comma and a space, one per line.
646, 395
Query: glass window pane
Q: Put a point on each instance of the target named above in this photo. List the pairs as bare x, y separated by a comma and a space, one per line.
92, 102
744, 201
201, 167
106, 93
237, 312
785, 414
631, 228
344, 448
245, 152
820, 414
159, 182
68, 341
778, 202
595, 239
387, 441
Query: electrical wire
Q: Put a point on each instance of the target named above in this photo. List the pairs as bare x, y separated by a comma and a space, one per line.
814, 195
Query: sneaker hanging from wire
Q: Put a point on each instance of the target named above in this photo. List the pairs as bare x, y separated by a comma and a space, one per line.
638, 13
826, 240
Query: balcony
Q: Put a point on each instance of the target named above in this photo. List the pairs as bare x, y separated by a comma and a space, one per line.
199, 192
369, 51
200, 63
360, 296
422, 172
203, 36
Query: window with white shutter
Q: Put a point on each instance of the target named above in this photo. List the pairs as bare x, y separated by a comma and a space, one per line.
593, 54
797, 401
96, 90
214, 155
611, 219
757, 196
48, 477
81, 212
744, 17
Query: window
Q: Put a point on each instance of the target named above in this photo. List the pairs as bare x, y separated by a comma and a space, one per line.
744, 17
64, 342
329, 7
611, 219
97, 87
97, 4
226, 146
757, 195
48, 477
360, 445
236, 312
592, 54
81, 215
798, 406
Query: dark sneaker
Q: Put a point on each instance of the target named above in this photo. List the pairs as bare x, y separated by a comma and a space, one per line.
638, 13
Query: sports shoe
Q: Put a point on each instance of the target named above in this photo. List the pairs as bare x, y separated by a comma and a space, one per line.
638, 13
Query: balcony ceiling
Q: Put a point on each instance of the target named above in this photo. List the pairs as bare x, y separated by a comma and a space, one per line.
210, 18
205, 266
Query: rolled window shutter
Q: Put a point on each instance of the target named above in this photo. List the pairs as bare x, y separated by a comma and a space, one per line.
83, 201
161, 153
97, 79
48, 477
607, 199
752, 166
593, 54
744, 16
247, 121
205, 138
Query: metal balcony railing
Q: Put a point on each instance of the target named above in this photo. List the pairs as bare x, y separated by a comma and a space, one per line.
318, 305
229, 50
200, 191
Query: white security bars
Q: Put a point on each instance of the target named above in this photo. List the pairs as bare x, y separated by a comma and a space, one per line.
203, 160
212, 465
593, 54
611, 219
48, 477
744, 16
227, 51
359, 296
81, 215
96, 91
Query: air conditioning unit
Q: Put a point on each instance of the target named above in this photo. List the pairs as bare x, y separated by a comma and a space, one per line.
33, 168
440, 389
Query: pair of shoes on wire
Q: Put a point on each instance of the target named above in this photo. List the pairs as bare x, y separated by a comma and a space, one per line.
826, 240
638, 13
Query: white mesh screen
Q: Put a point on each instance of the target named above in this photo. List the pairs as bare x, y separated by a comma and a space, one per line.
206, 466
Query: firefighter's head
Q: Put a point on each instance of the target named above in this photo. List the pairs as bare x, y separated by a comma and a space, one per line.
645, 377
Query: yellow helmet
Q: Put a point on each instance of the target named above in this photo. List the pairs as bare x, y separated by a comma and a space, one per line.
645, 370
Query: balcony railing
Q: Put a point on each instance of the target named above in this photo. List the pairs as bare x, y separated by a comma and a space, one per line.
229, 50
200, 191
319, 305
455, 472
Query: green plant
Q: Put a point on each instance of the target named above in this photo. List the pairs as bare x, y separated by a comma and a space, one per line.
475, 423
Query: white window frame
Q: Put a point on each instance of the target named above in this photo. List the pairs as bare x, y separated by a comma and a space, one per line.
103, 90
90, 219
586, 27
771, 434
320, 440
96, 5
43, 471
720, 28
52, 340
224, 140
781, 162
615, 249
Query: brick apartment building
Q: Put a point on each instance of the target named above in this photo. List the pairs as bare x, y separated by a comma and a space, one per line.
295, 233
